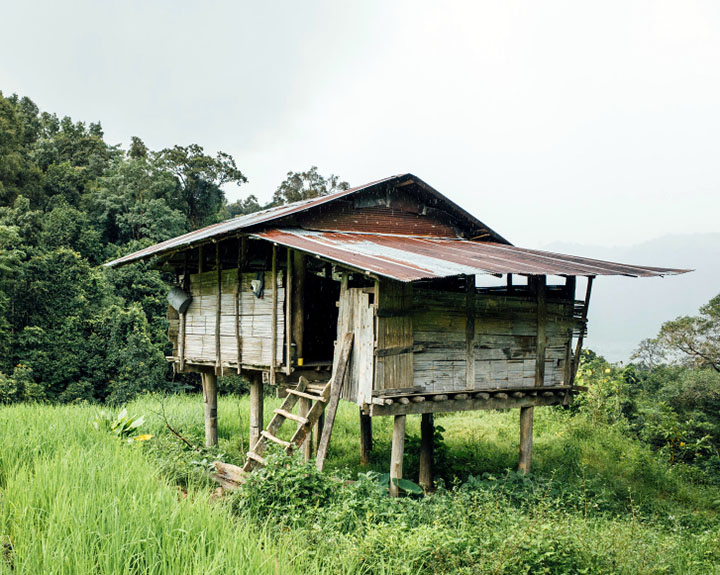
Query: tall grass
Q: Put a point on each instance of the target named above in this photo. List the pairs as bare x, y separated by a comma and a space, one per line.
73, 500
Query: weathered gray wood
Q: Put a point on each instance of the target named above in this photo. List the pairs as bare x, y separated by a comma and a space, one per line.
427, 451
298, 304
242, 247
470, 331
365, 438
304, 405
288, 311
396, 453
470, 404
218, 311
342, 357
541, 325
526, 439
394, 332
256, 408
229, 476
274, 425
273, 360
209, 385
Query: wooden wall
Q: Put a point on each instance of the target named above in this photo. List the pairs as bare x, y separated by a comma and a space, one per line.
503, 342
255, 320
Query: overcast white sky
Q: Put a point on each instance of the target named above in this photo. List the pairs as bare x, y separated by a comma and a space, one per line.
551, 121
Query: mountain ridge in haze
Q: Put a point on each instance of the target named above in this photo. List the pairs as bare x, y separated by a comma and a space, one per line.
624, 311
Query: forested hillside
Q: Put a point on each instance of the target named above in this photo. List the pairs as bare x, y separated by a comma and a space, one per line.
69, 201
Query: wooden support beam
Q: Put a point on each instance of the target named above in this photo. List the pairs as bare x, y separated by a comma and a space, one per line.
288, 311
273, 287
541, 337
470, 331
318, 431
183, 318
342, 358
218, 311
397, 452
298, 304
365, 438
427, 449
303, 410
209, 385
526, 439
256, 408
578, 347
241, 258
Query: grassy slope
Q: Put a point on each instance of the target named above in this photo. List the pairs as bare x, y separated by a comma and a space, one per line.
75, 501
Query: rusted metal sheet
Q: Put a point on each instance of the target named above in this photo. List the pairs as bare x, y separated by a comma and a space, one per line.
230, 227
410, 258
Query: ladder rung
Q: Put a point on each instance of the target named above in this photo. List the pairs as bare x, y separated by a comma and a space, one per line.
255, 457
307, 395
288, 415
271, 437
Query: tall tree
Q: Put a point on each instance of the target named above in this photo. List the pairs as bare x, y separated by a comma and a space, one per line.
200, 179
305, 185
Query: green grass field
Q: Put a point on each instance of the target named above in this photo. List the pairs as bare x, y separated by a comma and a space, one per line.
74, 500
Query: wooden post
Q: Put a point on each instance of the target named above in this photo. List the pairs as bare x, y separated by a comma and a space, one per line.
396, 455
365, 438
256, 408
209, 385
238, 301
578, 347
303, 410
218, 316
182, 327
273, 286
541, 339
427, 448
298, 304
288, 312
526, 439
526, 413
470, 332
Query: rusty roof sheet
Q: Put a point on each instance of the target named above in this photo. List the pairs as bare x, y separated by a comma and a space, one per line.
410, 258
228, 227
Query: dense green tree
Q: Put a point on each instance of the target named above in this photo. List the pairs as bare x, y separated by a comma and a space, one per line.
200, 178
304, 185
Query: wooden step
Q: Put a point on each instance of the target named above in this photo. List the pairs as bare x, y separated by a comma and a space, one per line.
288, 415
271, 437
255, 457
311, 396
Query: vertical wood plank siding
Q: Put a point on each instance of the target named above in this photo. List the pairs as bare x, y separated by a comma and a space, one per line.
251, 337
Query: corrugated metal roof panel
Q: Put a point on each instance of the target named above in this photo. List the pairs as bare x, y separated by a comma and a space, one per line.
410, 258
251, 220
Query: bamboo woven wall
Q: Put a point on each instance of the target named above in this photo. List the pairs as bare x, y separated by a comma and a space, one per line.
254, 315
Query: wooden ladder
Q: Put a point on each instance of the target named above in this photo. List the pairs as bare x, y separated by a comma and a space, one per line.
327, 399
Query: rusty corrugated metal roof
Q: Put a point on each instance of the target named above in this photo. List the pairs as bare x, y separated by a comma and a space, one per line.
410, 258
234, 225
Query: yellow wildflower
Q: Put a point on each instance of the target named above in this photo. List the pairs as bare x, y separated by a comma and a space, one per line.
143, 437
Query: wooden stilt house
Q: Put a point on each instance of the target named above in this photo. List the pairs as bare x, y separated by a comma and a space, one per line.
375, 295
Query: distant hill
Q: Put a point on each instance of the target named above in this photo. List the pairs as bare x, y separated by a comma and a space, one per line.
624, 311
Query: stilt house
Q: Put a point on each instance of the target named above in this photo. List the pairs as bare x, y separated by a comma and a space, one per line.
400, 267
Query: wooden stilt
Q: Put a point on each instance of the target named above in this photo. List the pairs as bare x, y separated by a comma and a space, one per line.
365, 438
396, 455
209, 385
427, 449
526, 438
256, 408
303, 410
